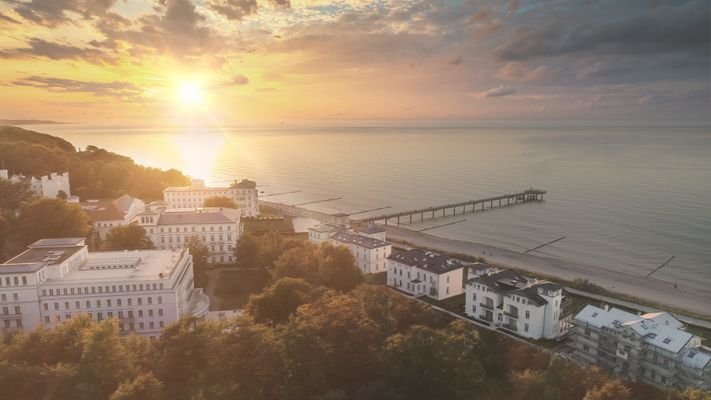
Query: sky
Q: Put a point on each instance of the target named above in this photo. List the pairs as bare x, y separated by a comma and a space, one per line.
235, 61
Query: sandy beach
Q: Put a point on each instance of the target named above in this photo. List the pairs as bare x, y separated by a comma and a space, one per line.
680, 297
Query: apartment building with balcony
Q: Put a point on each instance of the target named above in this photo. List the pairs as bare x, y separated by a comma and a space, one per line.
653, 348
425, 273
370, 250
55, 280
526, 306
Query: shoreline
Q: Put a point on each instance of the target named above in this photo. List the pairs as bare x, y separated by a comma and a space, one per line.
652, 290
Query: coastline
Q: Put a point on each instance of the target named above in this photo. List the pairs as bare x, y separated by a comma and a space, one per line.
615, 281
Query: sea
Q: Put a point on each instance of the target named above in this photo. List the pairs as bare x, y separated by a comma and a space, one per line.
625, 196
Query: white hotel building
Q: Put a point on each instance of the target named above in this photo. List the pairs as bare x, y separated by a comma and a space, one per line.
46, 186
653, 348
218, 228
107, 214
424, 273
243, 193
368, 245
57, 279
528, 307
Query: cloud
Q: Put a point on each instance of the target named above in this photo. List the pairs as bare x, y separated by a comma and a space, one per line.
55, 12
118, 89
601, 69
281, 3
237, 80
500, 91
5, 19
664, 29
234, 10
520, 72
458, 60
57, 51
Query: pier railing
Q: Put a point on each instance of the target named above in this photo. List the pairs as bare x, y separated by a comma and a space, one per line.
447, 210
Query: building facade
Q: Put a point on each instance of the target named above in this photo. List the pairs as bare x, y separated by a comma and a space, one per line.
46, 186
525, 306
243, 193
107, 214
217, 228
652, 348
55, 280
370, 252
424, 273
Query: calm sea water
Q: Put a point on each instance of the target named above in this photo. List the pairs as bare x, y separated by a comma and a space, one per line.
626, 197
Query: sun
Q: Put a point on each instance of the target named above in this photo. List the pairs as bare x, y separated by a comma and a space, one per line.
190, 93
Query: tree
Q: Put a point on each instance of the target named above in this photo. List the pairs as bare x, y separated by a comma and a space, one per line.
325, 265
51, 218
127, 237
275, 304
220, 201
143, 387
62, 195
247, 251
14, 194
200, 253
612, 390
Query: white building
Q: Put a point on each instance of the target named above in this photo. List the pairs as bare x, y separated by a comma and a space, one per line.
107, 214
218, 228
369, 250
653, 348
243, 193
424, 273
528, 307
57, 279
46, 186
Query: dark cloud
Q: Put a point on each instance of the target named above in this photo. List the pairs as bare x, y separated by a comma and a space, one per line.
118, 89
663, 29
458, 60
602, 69
55, 12
500, 91
234, 10
5, 19
281, 3
56, 51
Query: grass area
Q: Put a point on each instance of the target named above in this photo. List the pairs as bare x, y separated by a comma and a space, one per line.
381, 278
234, 287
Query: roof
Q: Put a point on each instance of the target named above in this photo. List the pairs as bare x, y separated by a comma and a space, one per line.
19, 268
479, 266
371, 229
193, 188
657, 329
127, 264
358, 240
53, 242
503, 281
697, 357
102, 210
123, 203
194, 217
327, 228
46, 255
427, 261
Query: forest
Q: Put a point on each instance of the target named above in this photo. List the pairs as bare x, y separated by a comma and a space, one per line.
94, 173
318, 331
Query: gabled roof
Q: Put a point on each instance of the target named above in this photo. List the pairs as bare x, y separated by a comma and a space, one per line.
123, 203
102, 210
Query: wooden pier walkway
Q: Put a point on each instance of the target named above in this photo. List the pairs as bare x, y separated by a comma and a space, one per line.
470, 206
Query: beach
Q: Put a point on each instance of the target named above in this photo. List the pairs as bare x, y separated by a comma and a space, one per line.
650, 289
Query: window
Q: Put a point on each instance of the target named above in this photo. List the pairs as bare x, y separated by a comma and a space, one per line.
118, 302
77, 304
150, 312
528, 314
160, 312
17, 310
587, 331
160, 298
140, 313
56, 306
525, 327
586, 347
108, 303
24, 280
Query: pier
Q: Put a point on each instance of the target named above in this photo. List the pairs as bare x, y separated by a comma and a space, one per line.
447, 210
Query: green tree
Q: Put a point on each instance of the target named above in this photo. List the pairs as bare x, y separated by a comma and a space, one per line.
143, 387
200, 253
220, 201
127, 237
275, 304
62, 195
51, 218
326, 265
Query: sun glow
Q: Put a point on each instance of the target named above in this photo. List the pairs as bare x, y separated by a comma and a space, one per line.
190, 93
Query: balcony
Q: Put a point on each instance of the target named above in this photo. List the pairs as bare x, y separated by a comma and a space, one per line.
485, 317
487, 306
510, 314
10, 316
510, 326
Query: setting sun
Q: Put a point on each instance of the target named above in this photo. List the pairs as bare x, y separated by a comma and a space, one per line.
190, 93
